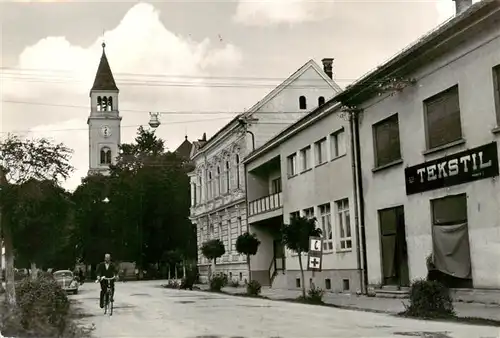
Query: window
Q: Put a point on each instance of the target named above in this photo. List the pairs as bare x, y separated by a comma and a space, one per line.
325, 219
292, 165
449, 210
198, 188
386, 141
337, 143
220, 232
193, 194
237, 168
320, 151
239, 226
321, 101
305, 158
105, 156
443, 118
228, 177
295, 214
309, 213
218, 189
496, 87
276, 185
209, 185
211, 230
344, 222
302, 102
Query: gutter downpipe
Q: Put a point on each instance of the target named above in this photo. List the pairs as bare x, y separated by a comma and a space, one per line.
361, 199
356, 211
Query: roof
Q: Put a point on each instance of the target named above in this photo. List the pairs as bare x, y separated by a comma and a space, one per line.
104, 79
184, 150
416, 54
278, 89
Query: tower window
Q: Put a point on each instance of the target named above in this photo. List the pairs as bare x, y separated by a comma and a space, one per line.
302, 102
105, 155
321, 101
99, 103
110, 104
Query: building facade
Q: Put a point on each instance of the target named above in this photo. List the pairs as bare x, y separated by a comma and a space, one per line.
306, 170
428, 136
218, 182
104, 120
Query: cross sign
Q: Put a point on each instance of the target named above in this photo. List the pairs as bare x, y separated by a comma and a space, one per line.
314, 262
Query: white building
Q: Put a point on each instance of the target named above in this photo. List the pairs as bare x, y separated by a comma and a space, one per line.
305, 170
429, 155
104, 120
218, 182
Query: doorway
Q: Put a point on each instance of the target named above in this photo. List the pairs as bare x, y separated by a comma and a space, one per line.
393, 243
279, 255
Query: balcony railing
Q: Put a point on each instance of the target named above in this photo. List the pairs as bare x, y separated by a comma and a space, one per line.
265, 204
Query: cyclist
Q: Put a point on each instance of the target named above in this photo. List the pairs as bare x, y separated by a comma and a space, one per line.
106, 269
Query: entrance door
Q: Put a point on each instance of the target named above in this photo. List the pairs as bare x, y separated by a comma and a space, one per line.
393, 243
279, 255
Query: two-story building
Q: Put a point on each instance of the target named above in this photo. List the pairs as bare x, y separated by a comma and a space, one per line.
428, 134
218, 182
306, 170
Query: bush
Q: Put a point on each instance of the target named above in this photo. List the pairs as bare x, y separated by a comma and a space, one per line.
254, 288
234, 283
218, 281
315, 295
190, 279
429, 299
42, 311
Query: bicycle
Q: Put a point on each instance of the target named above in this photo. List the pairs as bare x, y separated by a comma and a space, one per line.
108, 296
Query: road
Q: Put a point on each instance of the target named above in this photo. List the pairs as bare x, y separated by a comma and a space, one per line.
145, 309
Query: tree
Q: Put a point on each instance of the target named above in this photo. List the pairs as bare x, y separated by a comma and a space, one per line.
296, 238
41, 212
22, 160
213, 249
247, 244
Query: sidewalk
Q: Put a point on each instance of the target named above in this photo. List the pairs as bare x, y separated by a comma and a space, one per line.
364, 303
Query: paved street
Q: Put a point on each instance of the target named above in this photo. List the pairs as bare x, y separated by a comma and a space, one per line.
144, 309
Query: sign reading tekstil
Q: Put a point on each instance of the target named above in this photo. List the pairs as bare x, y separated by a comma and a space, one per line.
465, 166
315, 254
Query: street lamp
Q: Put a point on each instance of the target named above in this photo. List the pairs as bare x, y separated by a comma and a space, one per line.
154, 121
105, 200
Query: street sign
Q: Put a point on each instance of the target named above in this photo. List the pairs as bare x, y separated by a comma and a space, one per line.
315, 254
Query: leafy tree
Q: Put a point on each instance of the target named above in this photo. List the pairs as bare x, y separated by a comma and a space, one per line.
247, 244
148, 209
22, 160
296, 238
213, 249
41, 212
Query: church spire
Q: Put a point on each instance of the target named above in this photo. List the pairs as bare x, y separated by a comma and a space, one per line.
104, 79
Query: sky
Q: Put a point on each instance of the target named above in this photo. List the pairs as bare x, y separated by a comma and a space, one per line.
199, 63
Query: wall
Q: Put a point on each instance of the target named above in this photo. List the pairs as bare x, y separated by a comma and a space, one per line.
328, 182
470, 66
286, 105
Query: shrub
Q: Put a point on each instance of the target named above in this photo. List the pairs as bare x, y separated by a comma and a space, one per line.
42, 310
190, 279
234, 283
429, 299
218, 281
254, 288
315, 295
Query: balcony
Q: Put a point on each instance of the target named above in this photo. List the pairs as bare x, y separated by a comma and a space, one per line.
265, 204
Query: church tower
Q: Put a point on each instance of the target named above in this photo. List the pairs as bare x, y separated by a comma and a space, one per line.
104, 120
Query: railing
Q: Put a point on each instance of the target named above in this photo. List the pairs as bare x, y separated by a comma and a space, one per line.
265, 204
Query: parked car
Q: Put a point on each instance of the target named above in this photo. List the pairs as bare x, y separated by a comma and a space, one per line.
67, 280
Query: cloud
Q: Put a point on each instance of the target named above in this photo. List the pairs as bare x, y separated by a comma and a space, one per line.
47, 93
262, 13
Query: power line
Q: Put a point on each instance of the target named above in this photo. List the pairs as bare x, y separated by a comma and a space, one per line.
200, 112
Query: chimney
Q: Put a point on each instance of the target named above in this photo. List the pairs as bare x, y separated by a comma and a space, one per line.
461, 6
328, 67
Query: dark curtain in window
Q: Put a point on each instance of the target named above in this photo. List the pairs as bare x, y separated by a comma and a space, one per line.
443, 119
387, 141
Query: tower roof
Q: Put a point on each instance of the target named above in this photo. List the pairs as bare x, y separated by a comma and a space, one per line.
104, 79
184, 150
